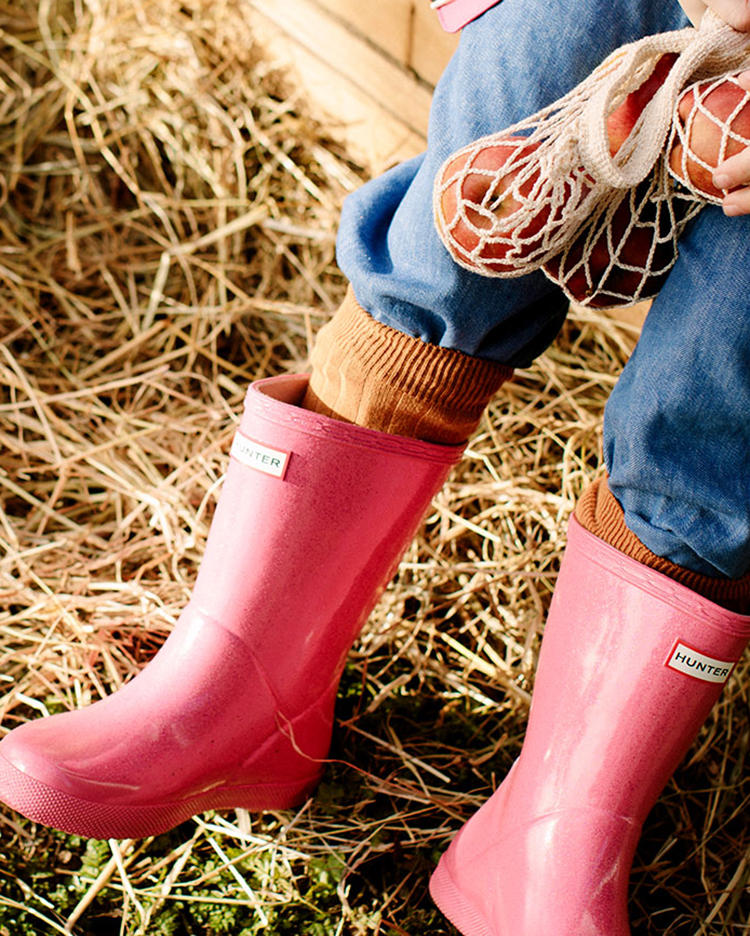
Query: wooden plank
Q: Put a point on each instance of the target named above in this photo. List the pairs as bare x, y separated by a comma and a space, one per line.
353, 58
632, 315
386, 23
376, 108
431, 45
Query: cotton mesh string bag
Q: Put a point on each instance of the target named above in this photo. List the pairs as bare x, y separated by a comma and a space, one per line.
625, 249
517, 200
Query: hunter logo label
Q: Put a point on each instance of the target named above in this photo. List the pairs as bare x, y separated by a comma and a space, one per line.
261, 457
686, 660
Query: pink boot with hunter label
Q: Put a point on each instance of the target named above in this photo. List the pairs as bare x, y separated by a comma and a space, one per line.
236, 708
631, 664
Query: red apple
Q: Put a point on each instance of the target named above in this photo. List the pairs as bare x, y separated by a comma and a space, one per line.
720, 109
608, 263
477, 204
623, 118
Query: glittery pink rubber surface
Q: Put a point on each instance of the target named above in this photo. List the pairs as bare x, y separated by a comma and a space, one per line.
551, 850
100, 820
236, 709
456, 14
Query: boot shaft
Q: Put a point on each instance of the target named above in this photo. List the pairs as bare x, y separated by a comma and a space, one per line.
321, 512
630, 667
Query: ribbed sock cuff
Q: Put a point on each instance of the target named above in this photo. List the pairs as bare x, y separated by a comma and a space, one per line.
600, 513
367, 373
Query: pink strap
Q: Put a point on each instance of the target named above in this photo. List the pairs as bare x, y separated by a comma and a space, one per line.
455, 14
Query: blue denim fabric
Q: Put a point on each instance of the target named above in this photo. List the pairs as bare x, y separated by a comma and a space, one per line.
677, 425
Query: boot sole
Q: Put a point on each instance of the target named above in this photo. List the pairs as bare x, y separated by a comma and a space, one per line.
453, 905
67, 813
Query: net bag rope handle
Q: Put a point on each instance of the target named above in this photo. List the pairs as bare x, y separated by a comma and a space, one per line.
713, 48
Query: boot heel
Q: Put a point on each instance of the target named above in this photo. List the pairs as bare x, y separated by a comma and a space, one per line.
453, 905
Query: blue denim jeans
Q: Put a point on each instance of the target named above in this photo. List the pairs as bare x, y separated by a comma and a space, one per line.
677, 425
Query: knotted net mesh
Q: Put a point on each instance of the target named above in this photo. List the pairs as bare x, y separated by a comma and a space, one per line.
584, 188
625, 249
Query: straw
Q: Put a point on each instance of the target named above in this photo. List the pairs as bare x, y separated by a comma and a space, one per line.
168, 208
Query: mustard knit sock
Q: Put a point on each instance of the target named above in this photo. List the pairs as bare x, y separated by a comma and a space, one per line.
367, 373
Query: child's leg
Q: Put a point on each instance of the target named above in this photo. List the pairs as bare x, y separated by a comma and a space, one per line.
632, 659
677, 426
517, 57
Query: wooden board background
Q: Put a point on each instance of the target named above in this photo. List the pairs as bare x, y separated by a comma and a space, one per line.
368, 69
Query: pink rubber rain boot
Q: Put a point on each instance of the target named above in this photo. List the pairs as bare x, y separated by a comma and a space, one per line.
631, 664
236, 708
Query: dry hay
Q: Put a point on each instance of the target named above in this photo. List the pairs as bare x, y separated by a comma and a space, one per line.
167, 221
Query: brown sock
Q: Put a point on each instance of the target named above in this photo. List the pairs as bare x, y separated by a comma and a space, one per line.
367, 373
601, 514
